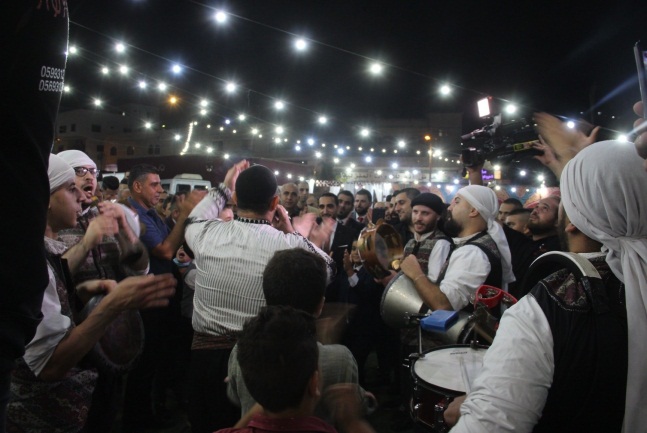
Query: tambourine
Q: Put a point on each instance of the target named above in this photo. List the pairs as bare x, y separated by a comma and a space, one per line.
380, 247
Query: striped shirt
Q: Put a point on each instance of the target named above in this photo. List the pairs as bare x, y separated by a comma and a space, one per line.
230, 257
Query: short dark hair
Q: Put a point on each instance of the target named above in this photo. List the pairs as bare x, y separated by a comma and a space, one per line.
330, 194
170, 200
388, 198
278, 354
365, 192
513, 201
110, 182
139, 172
348, 193
297, 278
410, 192
520, 211
255, 188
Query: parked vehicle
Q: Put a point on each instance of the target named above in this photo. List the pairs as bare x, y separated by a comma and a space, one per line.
185, 182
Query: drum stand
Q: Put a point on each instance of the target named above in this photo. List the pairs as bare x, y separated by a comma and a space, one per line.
479, 325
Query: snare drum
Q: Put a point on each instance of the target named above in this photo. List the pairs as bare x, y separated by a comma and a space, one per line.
439, 376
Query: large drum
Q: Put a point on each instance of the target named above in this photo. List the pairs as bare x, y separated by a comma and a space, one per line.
439, 376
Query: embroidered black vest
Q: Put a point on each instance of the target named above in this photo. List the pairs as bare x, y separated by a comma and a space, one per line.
589, 329
422, 250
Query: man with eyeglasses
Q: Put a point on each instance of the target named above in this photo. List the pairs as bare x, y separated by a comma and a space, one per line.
102, 236
101, 246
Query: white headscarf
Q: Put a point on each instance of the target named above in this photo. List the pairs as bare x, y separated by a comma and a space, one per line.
59, 173
484, 200
604, 192
76, 158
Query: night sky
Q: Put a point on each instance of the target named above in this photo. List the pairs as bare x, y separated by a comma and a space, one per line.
565, 57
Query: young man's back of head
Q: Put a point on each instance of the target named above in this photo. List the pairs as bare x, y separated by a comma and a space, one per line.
278, 356
297, 278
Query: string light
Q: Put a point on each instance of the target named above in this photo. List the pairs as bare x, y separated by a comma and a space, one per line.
375, 68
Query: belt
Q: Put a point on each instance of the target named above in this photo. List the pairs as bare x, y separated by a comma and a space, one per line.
202, 341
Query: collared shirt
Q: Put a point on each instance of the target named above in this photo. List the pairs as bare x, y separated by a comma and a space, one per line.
230, 257
264, 424
155, 233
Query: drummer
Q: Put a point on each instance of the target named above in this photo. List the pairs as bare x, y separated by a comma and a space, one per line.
563, 358
430, 246
50, 390
481, 254
93, 252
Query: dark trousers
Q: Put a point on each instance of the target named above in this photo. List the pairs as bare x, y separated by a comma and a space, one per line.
209, 408
138, 400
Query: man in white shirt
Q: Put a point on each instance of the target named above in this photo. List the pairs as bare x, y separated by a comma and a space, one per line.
230, 257
563, 354
481, 254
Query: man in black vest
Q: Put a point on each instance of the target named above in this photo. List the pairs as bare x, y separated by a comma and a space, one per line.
481, 254
430, 246
561, 353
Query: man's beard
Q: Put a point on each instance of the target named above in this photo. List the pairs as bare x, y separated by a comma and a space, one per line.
539, 228
341, 215
452, 227
426, 228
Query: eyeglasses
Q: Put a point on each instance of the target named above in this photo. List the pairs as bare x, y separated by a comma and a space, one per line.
82, 171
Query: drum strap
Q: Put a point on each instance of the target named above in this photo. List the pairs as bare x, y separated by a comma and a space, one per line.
64, 276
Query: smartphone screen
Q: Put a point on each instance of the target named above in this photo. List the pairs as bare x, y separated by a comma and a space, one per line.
641, 65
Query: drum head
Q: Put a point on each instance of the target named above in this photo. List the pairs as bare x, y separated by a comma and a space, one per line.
120, 346
442, 367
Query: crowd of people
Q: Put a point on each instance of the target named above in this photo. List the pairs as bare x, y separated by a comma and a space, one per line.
253, 305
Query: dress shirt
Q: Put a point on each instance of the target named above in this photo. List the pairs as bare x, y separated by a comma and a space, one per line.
156, 232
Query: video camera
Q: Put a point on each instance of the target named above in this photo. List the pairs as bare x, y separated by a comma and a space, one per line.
500, 141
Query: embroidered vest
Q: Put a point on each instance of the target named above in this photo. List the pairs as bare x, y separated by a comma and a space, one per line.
589, 328
422, 250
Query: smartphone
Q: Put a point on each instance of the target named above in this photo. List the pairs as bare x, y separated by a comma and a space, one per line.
641, 65
378, 214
